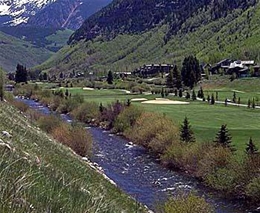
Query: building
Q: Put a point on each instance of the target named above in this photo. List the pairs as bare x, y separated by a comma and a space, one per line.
151, 70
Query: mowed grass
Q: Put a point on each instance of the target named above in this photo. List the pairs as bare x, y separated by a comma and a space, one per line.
205, 119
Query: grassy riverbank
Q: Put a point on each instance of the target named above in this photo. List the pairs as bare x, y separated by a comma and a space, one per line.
39, 174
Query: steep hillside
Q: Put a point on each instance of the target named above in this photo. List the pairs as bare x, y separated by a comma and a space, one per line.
48, 13
13, 51
40, 175
209, 33
67, 13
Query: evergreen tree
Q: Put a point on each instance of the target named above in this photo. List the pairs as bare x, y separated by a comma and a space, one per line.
251, 148
234, 97
208, 99
194, 95
176, 92
248, 103
66, 92
1, 85
180, 93
187, 95
223, 138
186, 133
239, 100
226, 102
177, 82
110, 77
162, 93
21, 74
191, 71
216, 96
212, 99
253, 103
169, 79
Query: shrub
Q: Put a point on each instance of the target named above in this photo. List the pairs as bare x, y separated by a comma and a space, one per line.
86, 112
213, 159
127, 118
67, 105
20, 105
75, 137
153, 131
49, 122
187, 203
253, 189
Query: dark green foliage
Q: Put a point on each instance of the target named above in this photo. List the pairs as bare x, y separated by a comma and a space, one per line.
201, 93
226, 101
234, 97
191, 71
239, 100
177, 81
251, 148
162, 93
253, 103
180, 93
21, 74
194, 97
169, 79
176, 92
122, 17
110, 77
216, 96
186, 133
1, 85
212, 100
223, 138
208, 98
66, 92
248, 103
187, 95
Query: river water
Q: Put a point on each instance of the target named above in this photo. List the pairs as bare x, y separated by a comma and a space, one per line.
139, 175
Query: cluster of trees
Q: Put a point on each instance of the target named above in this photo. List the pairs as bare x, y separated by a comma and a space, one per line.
21, 74
189, 76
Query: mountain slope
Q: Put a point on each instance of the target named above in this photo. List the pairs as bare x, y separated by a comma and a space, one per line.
48, 13
67, 13
210, 37
13, 51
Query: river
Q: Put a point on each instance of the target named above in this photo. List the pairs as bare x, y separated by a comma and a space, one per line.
139, 175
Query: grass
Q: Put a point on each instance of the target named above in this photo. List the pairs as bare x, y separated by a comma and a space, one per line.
40, 175
205, 119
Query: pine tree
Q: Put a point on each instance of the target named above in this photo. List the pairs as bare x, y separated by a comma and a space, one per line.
194, 95
223, 138
186, 133
170, 80
180, 93
177, 82
253, 104
216, 96
212, 99
208, 99
234, 97
248, 103
21, 74
162, 93
1, 85
110, 77
251, 148
187, 95
201, 93
226, 102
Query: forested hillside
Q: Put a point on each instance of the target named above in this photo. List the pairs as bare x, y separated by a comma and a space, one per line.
128, 16
212, 30
14, 51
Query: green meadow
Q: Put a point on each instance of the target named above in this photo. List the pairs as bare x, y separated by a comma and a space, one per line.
205, 119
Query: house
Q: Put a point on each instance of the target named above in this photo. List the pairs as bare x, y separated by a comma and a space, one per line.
150, 70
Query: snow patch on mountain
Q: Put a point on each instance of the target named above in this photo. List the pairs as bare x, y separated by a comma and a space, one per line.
21, 10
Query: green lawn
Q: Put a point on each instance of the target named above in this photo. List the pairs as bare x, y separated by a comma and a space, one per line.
205, 119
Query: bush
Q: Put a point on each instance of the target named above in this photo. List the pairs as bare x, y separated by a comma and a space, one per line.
75, 137
86, 112
127, 118
67, 105
187, 203
253, 189
213, 159
49, 122
153, 131
20, 105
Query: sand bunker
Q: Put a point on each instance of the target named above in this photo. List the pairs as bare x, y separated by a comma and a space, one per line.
138, 99
88, 88
164, 101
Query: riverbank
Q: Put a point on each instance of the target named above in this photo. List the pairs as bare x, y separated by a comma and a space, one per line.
46, 176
